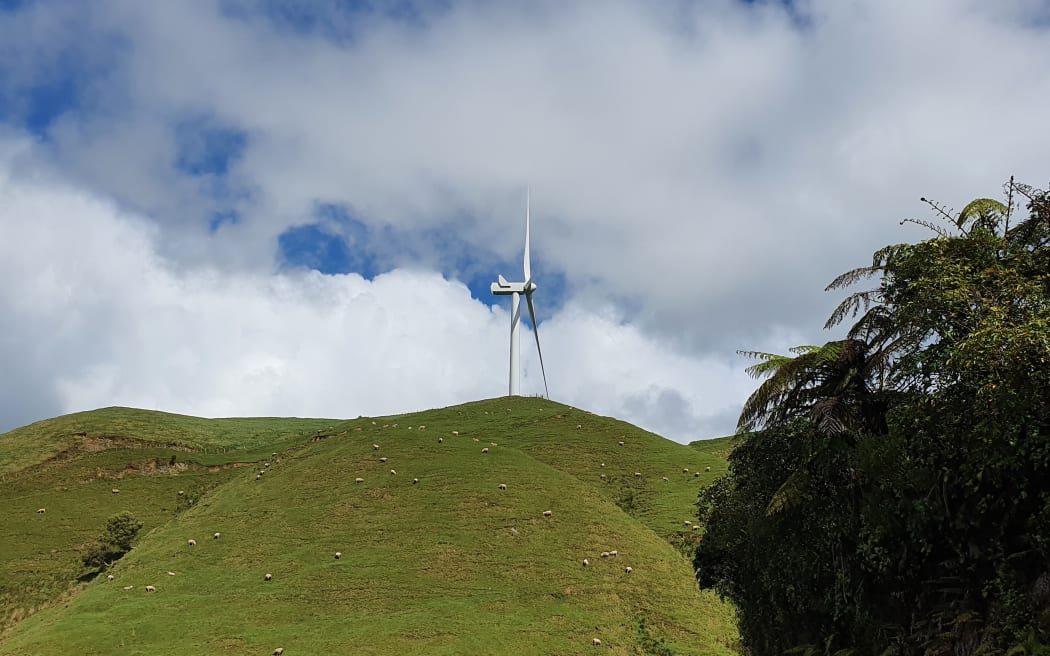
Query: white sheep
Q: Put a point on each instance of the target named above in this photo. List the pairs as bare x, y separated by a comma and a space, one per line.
382, 459
707, 469
268, 577
191, 542
261, 472
687, 523
578, 426
696, 527
375, 447
547, 513
503, 486
338, 555
485, 450
627, 570
150, 588
455, 432
422, 428
605, 554
258, 476
115, 491
696, 474
475, 439
278, 651
602, 477
586, 563
620, 442
41, 511
614, 553
266, 464
663, 478
110, 577
415, 481
216, 536
170, 573
637, 474
685, 470
128, 587
441, 440
393, 472
602, 465
596, 642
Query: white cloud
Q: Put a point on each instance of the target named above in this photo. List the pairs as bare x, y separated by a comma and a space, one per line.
94, 316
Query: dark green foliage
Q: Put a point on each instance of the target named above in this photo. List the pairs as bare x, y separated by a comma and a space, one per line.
121, 530
897, 497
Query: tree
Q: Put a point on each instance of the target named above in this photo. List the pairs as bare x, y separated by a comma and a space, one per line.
121, 531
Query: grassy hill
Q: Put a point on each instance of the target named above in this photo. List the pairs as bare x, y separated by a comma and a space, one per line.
450, 564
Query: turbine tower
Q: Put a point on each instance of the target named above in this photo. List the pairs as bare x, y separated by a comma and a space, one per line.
515, 290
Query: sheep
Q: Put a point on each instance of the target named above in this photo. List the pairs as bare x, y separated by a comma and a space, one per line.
455, 432
578, 426
605, 554
663, 478
547, 513
586, 563
258, 476
115, 491
602, 477
409, 428
261, 472
475, 439
602, 465
697, 527
620, 442
382, 459
614, 553
274, 454
216, 536
687, 523
637, 474
393, 472
415, 481
596, 642
685, 470
422, 428
110, 577
266, 464
627, 570
375, 447
338, 555
441, 440
170, 573
359, 480
503, 486
191, 542
707, 469
41, 511
128, 587
278, 651
182, 492
485, 450
268, 577
696, 474
150, 588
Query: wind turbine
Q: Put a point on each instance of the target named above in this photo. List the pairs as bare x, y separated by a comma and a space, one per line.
515, 290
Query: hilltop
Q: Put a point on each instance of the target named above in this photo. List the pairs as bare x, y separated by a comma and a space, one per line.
450, 564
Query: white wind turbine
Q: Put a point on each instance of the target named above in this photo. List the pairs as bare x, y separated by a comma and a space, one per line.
515, 290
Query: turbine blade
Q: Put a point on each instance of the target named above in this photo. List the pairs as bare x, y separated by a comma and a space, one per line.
536, 334
528, 266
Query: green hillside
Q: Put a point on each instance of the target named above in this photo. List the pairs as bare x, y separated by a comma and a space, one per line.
448, 565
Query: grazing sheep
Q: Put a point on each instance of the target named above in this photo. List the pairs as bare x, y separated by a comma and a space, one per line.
485, 450
614, 553
687, 523
191, 542
707, 469
664, 478
375, 447
182, 492
475, 439
696, 474
685, 470
359, 480
170, 573
338, 555
578, 426
216, 536
602, 465
150, 588
128, 587
258, 476
547, 513
455, 432
266, 464
409, 428
696, 527
627, 570
110, 577
268, 577
41, 511
596, 642
382, 459
278, 651
261, 472
602, 477
415, 481
620, 442
586, 563
441, 440
637, 474
393, 472
422, 428
115, 491
605, 554
503, 486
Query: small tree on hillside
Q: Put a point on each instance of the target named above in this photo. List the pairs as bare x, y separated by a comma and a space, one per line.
121, 531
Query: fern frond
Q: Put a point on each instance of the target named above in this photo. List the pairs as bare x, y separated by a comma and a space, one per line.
850, 306
926, 224
852, 276
788, 494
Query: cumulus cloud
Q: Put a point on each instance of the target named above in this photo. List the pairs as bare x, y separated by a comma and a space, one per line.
94, 315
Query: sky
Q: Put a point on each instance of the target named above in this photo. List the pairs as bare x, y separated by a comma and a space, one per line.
292, 208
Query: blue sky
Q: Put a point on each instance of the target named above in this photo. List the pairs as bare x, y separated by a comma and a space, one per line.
284, 207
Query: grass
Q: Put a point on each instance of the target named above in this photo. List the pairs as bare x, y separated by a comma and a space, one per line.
451, 565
